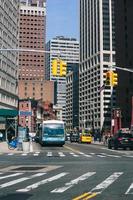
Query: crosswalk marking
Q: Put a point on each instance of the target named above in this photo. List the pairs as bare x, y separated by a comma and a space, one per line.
128, 156
49, 154
86, 155
35, 154
73, 182
10, 154
33, 186
20, 180
61, 154
130, 189
111, 155
11, 175
102, 186
24, 154
73, 154
98, 189
101, 156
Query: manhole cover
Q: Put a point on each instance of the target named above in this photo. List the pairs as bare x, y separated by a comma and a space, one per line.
28, 168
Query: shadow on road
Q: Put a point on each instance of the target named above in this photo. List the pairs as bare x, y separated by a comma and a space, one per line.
20, 196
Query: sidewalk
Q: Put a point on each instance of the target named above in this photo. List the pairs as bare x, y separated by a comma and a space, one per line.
97, 142
4, 148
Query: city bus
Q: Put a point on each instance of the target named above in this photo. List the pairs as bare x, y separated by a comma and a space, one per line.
52, 132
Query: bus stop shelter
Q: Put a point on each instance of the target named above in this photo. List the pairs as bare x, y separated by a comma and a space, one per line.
8, 122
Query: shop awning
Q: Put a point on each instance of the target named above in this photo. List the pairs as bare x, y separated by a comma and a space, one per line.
8, 113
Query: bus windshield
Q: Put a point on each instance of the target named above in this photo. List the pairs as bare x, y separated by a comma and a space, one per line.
53, 130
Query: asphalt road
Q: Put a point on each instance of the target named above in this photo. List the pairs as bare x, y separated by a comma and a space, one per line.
72, 172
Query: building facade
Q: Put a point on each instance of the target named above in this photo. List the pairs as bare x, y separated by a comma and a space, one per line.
67, 49
36, 89
9, 23
72, 98
32, 34
124, 58
97, 55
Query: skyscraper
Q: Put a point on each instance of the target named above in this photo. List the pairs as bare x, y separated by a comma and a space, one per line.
124, 57
9, 22
97, 55
66, 49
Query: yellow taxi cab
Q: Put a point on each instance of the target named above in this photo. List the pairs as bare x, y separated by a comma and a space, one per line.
86, 138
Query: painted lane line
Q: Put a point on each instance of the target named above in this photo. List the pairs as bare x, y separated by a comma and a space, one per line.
86, 195
20, 180
92, 153
73, 154
11, 175
130, 189
107, 182
61, 154
36, 185
73, 182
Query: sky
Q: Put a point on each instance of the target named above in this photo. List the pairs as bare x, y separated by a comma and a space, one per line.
62, 18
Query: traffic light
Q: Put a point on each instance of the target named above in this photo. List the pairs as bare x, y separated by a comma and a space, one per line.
114, 79
54, 67
108, 78
63, 68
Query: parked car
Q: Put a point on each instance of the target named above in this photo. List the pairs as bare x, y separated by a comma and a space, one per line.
74, 137
121, 140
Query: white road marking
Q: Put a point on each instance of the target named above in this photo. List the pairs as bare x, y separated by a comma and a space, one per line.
129, 156
73, 182
111, 155
102, 186
20, 180
101, 156
92, 153
35, 154
11, 175
130, 189
86, 155
49, 154
24, 154
10, 154
73, 154
61, 154
36, 185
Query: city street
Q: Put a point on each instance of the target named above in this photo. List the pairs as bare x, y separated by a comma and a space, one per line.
73, 172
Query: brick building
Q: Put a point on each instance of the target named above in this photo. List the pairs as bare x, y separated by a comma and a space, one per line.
32, 35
